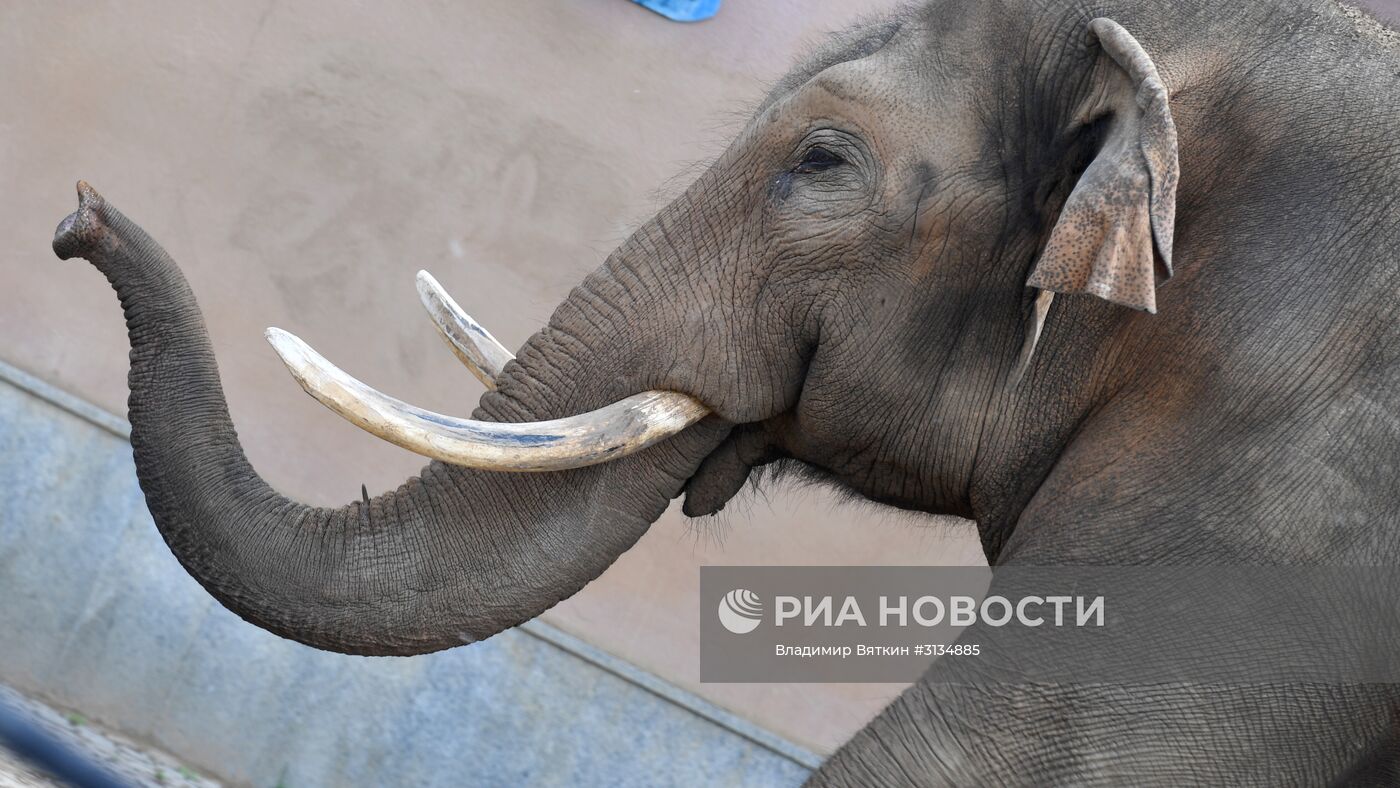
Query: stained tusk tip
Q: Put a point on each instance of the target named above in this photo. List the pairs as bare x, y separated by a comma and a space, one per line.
285, 343
428, 286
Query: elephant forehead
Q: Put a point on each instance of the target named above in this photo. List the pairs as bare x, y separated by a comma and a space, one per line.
898, 108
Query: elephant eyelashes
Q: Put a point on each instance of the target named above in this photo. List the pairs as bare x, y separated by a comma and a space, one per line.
817, 160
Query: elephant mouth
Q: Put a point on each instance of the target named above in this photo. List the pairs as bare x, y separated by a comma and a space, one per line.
723, 473
608, 433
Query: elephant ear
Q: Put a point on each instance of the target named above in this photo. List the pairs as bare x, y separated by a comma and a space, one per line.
1125, 202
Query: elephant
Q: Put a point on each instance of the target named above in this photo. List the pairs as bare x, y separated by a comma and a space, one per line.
1115, 280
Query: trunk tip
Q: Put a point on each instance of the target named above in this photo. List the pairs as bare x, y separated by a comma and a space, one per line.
87, 195
78, 228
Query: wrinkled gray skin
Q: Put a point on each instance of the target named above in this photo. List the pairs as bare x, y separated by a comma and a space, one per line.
862, 315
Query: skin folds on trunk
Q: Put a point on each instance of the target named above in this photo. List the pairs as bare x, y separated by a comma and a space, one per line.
450, 557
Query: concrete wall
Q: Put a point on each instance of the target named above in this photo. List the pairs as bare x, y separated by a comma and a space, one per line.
97, 615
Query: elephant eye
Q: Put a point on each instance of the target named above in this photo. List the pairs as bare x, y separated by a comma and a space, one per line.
816, 160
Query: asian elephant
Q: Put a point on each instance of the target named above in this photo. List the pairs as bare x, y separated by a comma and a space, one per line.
1117, 280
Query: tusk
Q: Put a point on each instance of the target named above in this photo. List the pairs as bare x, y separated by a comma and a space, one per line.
1041, 309
485, 357
617, 430
474, 345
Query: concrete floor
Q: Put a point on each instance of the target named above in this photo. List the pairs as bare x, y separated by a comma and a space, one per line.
303, 160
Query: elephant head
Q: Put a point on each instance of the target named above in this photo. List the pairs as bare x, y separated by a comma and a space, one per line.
857, 286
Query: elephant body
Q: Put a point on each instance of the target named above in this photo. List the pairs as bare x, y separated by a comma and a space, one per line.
1116, 280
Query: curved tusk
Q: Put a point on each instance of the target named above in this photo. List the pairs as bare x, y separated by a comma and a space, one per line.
485, 357
617, 430
474, 345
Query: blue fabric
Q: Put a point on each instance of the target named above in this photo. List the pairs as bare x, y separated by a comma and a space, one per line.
682, 10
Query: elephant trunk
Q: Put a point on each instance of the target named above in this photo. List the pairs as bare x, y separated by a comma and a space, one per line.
450, 557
